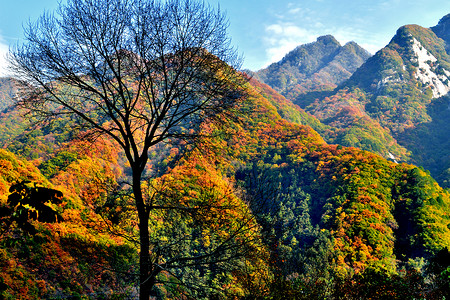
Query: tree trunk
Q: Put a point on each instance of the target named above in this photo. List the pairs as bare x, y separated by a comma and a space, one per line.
145, 283
145, 269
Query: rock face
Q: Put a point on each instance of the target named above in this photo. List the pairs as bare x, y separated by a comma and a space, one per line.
428, 65
318, 66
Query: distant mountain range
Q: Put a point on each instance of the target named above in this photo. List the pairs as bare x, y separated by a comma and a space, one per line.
318, 66
394, 103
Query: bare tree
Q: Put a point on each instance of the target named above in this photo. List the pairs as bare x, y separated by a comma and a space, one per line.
139, 71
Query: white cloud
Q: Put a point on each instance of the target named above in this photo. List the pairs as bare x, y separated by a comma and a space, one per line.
295, 10
283, 37
3, 62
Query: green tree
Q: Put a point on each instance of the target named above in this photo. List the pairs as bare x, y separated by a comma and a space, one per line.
29, 202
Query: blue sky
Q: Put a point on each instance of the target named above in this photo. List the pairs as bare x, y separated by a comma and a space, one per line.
265, 30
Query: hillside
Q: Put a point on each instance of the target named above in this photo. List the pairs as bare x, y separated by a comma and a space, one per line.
327, 217
406, 82
73, 257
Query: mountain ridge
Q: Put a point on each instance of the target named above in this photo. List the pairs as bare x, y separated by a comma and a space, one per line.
317, 66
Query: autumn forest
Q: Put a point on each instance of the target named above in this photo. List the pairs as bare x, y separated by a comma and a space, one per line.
138, 161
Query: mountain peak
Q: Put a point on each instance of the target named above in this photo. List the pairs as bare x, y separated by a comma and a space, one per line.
328, 39
324, 46
360, 51
351, 44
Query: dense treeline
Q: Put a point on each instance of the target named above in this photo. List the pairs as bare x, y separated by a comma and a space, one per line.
353, 211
